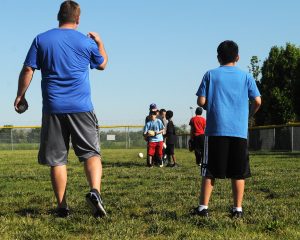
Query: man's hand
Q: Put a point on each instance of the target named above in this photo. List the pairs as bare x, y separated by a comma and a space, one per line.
20, 104
25, 78
95, 36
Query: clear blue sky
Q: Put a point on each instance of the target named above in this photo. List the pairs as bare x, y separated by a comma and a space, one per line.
158, 50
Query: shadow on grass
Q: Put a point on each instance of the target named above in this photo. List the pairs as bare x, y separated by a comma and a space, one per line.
28, 212
279, 154
125, 164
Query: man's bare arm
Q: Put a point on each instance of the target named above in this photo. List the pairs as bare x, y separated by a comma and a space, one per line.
25, 78
95, 36
201, 101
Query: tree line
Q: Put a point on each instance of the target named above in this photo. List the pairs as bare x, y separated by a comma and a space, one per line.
278, 80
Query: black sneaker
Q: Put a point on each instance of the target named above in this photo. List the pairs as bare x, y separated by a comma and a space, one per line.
202, 213
62, 212
237, 214
95, 202
174, 165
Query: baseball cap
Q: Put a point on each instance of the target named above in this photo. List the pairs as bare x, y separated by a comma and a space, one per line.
152, 106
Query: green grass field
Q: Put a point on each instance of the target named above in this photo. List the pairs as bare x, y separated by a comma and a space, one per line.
147, 203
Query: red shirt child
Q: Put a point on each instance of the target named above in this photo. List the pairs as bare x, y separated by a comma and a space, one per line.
197, 124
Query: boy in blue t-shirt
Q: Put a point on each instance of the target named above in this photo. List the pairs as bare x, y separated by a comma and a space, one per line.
224, 93
153, 132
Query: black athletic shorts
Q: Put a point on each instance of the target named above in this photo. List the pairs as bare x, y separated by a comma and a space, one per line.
225, 157
58, 130
170, 149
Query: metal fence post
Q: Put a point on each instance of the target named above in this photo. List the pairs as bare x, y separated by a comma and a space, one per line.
11, 139
292, 139
274, 137
126, 138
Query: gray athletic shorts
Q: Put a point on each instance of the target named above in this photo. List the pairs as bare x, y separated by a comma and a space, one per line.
58, 129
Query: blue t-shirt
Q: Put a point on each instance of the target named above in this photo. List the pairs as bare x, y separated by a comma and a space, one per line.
64, 57
155, 126
227, 90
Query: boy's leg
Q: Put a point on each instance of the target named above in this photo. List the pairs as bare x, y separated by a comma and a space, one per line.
159, 150
93, 172
238, 171
201, 148
213, 166
151, 153
197, 150
150, 161
59, 183
174, 158
238, 187
206, 190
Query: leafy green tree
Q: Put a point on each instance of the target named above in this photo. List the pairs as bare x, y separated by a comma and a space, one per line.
280, 76
182, 129
255, 68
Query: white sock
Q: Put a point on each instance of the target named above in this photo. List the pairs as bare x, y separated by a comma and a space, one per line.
237, 209
201, 207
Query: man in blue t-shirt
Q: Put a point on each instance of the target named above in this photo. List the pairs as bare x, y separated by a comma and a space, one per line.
224, 93
64, 56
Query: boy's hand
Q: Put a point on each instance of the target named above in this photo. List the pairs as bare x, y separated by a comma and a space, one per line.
151, 133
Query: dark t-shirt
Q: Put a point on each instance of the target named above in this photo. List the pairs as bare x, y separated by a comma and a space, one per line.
171, 133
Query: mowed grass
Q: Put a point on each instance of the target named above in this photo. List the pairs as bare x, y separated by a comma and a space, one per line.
147, 203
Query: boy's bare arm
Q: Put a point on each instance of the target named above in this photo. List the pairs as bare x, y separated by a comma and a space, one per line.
255, 105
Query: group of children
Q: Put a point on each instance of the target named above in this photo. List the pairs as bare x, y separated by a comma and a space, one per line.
159, 132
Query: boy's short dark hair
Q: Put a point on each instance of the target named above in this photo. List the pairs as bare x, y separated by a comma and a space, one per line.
228, 52
162, 110
169, 114
199, 111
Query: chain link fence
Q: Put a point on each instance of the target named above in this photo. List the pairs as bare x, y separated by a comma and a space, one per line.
267, 138
275, 138
28, 137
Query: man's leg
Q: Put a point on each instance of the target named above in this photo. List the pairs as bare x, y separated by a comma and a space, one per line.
238, 187
59, 183
93, 171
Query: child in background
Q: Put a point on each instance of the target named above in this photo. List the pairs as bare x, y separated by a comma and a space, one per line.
153, 132
198, 124
170, 139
